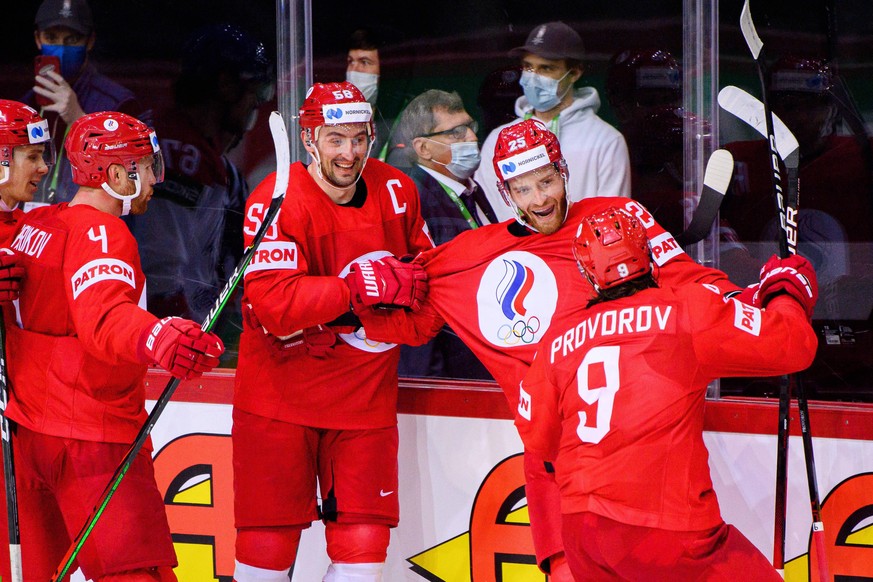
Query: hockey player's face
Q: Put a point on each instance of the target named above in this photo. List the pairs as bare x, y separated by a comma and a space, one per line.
342, 150
539, 196
25, 172
147, 178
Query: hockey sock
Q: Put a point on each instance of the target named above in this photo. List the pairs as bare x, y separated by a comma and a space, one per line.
268, 548
246, 573
354, 573
357, 543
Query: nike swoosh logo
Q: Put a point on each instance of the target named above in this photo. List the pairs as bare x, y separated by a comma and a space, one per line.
384, 493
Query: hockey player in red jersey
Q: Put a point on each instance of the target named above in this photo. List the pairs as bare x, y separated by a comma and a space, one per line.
26, 153
615, 398
314, 400
500, 286
78, 361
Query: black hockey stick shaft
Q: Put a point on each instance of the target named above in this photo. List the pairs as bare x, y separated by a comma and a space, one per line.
280, 139
787, 245
755, 46
9, 465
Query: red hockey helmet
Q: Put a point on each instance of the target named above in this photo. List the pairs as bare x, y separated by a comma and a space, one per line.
522, 148
611, 248
335, 104
98, 140
798, 74
21, 125
645, 76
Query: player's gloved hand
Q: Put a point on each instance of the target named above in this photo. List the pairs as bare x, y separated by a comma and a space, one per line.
181, 347
317, 341
793, 276
746, 295
10, 275
387, 281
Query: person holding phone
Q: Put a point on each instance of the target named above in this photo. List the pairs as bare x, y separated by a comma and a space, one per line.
67, 86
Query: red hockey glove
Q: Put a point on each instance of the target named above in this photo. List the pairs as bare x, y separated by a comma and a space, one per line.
793, 276
10, 275
317, 341
386, 281
181, 347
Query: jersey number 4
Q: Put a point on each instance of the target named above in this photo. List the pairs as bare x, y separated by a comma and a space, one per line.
606, 359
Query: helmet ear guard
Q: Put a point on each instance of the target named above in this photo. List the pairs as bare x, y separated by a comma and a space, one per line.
612, 248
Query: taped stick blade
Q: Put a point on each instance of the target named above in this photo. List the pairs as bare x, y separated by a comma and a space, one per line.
283, 152
719, 170
749, 109
747, 25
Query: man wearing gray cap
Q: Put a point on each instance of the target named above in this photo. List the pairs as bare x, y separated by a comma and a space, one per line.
596, 153
65, 29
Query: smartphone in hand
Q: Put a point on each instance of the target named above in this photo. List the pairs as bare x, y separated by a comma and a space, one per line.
41, 64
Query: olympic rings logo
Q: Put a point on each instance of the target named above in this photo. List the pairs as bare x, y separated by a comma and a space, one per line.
360, 335
520, 331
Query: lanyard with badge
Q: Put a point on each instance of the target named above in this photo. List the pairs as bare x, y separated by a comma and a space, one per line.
461, 206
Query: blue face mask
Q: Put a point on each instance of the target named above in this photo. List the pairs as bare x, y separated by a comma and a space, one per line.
72, 58
541, 92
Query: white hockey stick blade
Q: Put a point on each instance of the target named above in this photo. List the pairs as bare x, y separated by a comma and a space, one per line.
716, 179
719, 170
749, 33
283, 153
749, 109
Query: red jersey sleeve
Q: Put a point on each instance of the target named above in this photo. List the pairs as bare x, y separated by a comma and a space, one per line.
284, 295
538, 415
735, 339
104, 286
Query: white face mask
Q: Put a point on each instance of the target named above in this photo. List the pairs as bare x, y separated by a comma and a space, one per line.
541, 92
368, 83
465, 158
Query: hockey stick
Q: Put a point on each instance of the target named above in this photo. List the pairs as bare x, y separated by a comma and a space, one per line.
283, 162
787, 245
9, 466
716, 180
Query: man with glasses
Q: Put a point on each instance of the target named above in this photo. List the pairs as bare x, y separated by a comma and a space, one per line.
444, 153
596, 153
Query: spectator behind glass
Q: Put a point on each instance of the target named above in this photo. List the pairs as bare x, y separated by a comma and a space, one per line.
444, 153
65, 29
596, 154
363, 69
835, 178
835, 218
191, 238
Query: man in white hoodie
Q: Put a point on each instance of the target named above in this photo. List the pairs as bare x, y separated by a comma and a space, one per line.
596, 152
